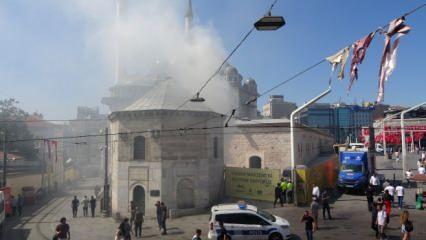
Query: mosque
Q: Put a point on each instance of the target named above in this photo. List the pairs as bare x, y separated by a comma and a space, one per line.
185, 169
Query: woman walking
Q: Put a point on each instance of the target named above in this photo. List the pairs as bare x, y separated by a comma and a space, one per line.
406, 225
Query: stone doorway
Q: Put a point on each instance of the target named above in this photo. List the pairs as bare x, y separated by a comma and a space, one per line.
139, 198
185, 194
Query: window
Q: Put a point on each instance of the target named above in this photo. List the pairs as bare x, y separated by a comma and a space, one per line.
215, 147
255, 162
139, 148
240, 218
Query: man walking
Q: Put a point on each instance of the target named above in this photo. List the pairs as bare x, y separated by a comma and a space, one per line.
391, 191
75, 203
125, 229
315, 191
370, 197
278, 195
308, 225
132, 213
197, 235
85, 206
92, 205
381, 221
138, 222
314, 210
158, 211
20, 204
374, 182
163, 218
63, 230
400, 194
325, 197
290, 187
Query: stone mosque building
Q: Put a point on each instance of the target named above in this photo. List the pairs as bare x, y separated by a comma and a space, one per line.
185, 169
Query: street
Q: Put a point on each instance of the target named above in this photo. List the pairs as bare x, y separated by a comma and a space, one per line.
351, 220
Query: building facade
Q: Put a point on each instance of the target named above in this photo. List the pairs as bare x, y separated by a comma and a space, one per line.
278, 108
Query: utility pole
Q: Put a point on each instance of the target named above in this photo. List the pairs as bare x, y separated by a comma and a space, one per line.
106, 186
4, 158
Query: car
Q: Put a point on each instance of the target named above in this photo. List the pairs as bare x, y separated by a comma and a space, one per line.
247, 222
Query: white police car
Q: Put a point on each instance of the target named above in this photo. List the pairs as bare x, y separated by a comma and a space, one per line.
243, 221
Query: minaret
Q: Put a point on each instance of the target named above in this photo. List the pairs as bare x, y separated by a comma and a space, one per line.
188, 17
119, 68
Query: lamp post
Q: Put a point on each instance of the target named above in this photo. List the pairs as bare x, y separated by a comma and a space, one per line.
4, 158
105, 210
404, 149
292, 137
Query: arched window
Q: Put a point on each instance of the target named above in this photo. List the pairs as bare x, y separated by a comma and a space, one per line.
255, 162
139, 148
215, 147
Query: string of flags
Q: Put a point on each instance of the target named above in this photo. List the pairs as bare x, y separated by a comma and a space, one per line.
397, 28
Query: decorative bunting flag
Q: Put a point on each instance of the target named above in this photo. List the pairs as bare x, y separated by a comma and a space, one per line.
359, 50
396, 27
337, 59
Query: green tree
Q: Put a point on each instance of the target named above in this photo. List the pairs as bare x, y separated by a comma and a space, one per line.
12, 121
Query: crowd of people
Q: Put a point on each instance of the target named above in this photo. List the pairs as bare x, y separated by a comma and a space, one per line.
75, 203
133, 226
284, 192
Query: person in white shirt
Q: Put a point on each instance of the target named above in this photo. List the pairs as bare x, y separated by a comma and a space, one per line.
400, 193
315, 191
421, 170
419, 163
381, 221
374, 182
423, 155
391, 190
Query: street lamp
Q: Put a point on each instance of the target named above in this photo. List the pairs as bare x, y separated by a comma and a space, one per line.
292, 138
269, 23
404, 150
197, 98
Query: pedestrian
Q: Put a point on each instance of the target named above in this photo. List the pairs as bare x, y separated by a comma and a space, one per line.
325, 198
14, 205
408, 176
125, 229
381, 221
419, 163
421, 170
278, 195
197, 235
138, 222
423, 155
370, 197
374, 211
93, 205
315, 191
308, 225
391, 191
85, 206
284, 190
387, 204
63, 230
118, 234
132, 212
223, 233
400, 194
164, 215
75, 203
397, 155
406, 225
20, 204
158, 211
374, 181
290, 187
314, 211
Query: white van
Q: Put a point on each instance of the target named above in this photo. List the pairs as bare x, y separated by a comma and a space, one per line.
246, 222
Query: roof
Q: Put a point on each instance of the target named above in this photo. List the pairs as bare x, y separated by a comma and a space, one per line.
167, 95
232, 207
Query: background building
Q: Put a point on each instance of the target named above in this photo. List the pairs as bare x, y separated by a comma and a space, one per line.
278, 108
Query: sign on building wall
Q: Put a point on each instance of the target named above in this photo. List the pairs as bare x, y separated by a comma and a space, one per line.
251, 183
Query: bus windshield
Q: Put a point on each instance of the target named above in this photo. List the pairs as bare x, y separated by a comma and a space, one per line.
351, 168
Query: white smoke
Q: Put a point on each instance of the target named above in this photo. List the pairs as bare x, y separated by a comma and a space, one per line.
153, 41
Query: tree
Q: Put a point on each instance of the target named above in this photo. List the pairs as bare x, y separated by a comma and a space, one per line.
12, 121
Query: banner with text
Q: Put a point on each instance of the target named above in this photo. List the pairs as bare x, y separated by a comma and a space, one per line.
251, 183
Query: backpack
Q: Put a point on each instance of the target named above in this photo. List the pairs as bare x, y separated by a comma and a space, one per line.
409, 226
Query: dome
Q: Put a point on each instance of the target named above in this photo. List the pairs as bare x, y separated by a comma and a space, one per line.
231, 70
251, 85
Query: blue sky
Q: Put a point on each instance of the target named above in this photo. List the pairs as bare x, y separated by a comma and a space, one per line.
47, 64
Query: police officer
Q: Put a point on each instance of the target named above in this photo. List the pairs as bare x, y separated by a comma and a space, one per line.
284, 189
290, 187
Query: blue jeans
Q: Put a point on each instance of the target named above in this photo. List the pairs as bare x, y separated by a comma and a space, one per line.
309, 235
400, 198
